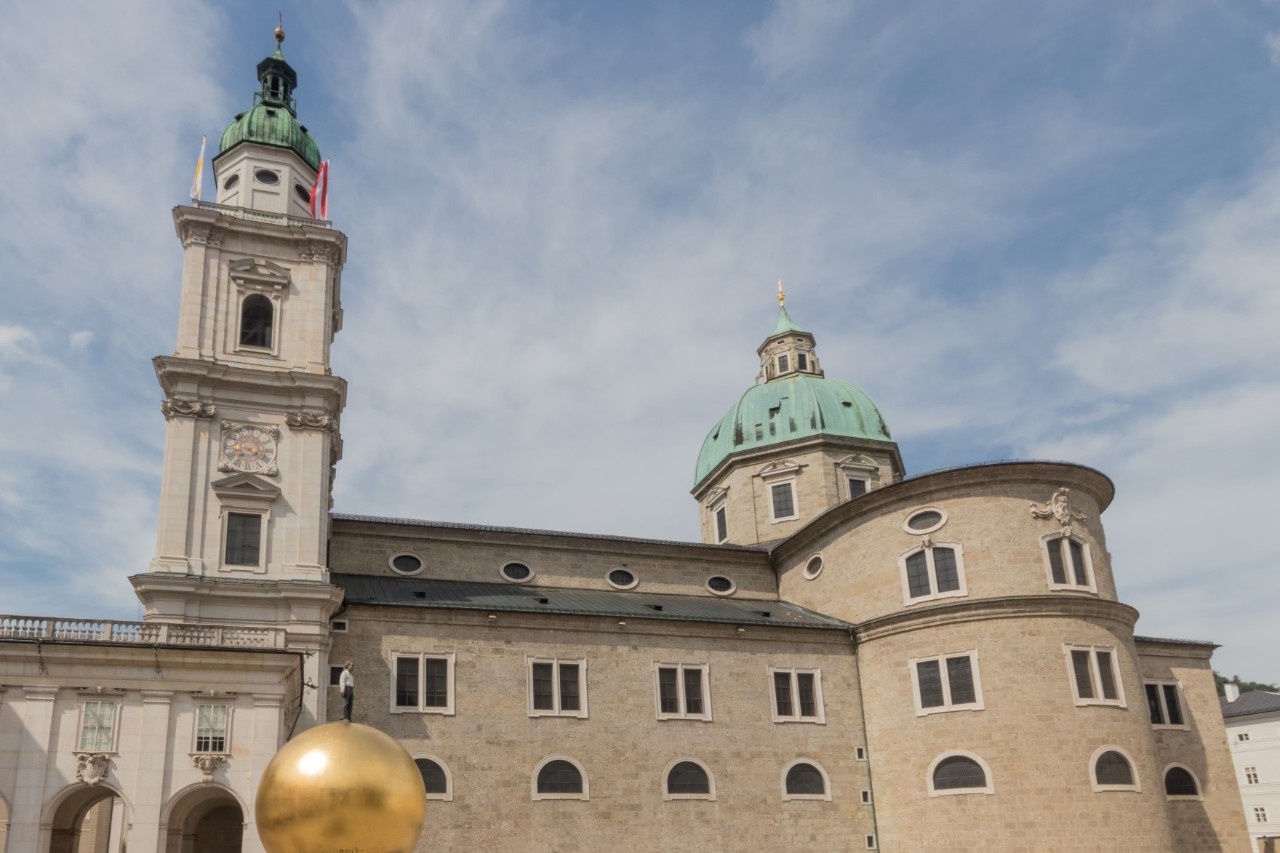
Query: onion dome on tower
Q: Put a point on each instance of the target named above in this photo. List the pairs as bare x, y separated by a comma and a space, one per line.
794, 424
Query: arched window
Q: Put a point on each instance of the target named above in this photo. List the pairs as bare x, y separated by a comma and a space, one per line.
804, 780
959, 773
932, 571
435, 778
687, 779
1069, 564
1113, 771
256, 317
559, 778
1180, 782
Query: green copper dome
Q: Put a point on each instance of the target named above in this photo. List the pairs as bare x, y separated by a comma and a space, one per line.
273, 119
792, 407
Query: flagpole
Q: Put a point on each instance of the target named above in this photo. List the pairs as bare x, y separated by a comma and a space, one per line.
197, 182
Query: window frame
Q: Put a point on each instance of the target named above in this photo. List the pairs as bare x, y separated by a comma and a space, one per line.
1133, 769
681, 695
1195, 777
226, 728
1068, 563
447, 796
263, 518
391, 564
977, 705
1251, 775
820, 718
720, 521
1260, 814
1162, 685
448, 709
582, 772
502, 571
934, 791
667, 796
789, 483
928, 549
1094, 676
556, 663
826, 781
84, 704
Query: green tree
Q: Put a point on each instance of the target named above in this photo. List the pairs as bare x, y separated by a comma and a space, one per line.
1245, 686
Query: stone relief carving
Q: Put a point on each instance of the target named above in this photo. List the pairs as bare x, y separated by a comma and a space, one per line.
307, 420
313, 251
187, 409
1059, 508
92, 767
206, 234
207, 762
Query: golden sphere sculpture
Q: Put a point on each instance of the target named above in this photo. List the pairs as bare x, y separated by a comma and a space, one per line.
341, 787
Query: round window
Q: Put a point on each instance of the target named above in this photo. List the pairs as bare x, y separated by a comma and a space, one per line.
231, 182
720, 585
304, 193
925, 520
266, 176
517, 573
813, 568
622, 578
406, 564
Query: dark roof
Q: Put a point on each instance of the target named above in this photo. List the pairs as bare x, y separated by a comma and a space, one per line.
472, 595
525, 531
1138, 639
1253, 702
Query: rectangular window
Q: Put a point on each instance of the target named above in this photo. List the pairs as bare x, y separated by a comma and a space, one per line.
783, 496
1095, 679
335, 675
97, 726
1164, 703
1069, 565
871, 842
244, 539
211, 728
797, 696
683, 692
1242, 737
783, 364
866, 797
1260, 814
722, 523
802, 361
947, 683
422, 683
557, 688
860, 753
1251, 775
857, 487
933, 572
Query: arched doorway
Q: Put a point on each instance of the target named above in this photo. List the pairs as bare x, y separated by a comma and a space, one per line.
204, 819
88, 819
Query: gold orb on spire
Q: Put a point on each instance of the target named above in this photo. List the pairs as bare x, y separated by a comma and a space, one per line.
782, 297
341, 787
279, 29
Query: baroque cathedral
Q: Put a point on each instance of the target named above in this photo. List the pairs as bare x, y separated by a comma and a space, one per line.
851, 658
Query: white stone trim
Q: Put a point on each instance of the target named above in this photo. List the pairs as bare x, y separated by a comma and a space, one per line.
447, 709
391, 563
635, 578
1095, 679
826, 781
556, 663
927, 546
447, 796
989, 788
502, 571
796, 717
1060, 539
666, 773
1161, 684
947, 705
533, 780
682, 714
1133, 768
1195, 777
810, 571
920, 531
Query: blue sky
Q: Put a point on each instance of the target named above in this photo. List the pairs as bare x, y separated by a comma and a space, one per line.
1027, 230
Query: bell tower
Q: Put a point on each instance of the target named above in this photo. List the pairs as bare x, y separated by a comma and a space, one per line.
251, 406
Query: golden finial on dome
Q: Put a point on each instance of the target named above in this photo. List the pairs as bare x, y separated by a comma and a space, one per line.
279, 29
782, 297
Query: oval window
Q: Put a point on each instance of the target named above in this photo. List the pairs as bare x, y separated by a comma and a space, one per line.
231, 182
406, 564
622, 578
813, 568
925, 520
266, 176
517, 573
304, 193
720, 585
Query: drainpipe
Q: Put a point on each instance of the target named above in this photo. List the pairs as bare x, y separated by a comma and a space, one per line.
862, 711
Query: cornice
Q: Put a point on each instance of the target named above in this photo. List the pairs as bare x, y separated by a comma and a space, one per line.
791, 448
172, 371
988, 609
924, 488
211, 224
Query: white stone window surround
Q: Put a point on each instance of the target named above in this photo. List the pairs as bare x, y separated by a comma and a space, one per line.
681, 694
871, 842
635, 578
733, 587
928, 547
533, 781
502, 571
720, 522
796, 716
926, 528
782, 474
339, 626
987, 788
391, 563
1095, 675
825, 796
1061, 541
947, 704
248, 278
261, 565
557, 709
447, 796
813, 567
666, 776
447, 709
1195, 777
790, 484
1093, 770
860, 467
245, 494
1162, 698
226, 729
98, 729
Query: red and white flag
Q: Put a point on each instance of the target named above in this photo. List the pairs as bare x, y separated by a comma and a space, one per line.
320, 193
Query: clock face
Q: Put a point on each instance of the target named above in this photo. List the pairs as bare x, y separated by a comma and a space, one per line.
249, 448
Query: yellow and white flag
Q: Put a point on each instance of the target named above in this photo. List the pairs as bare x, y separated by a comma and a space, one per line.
197, 183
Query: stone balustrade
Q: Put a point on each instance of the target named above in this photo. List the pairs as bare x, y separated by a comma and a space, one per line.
57, 629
